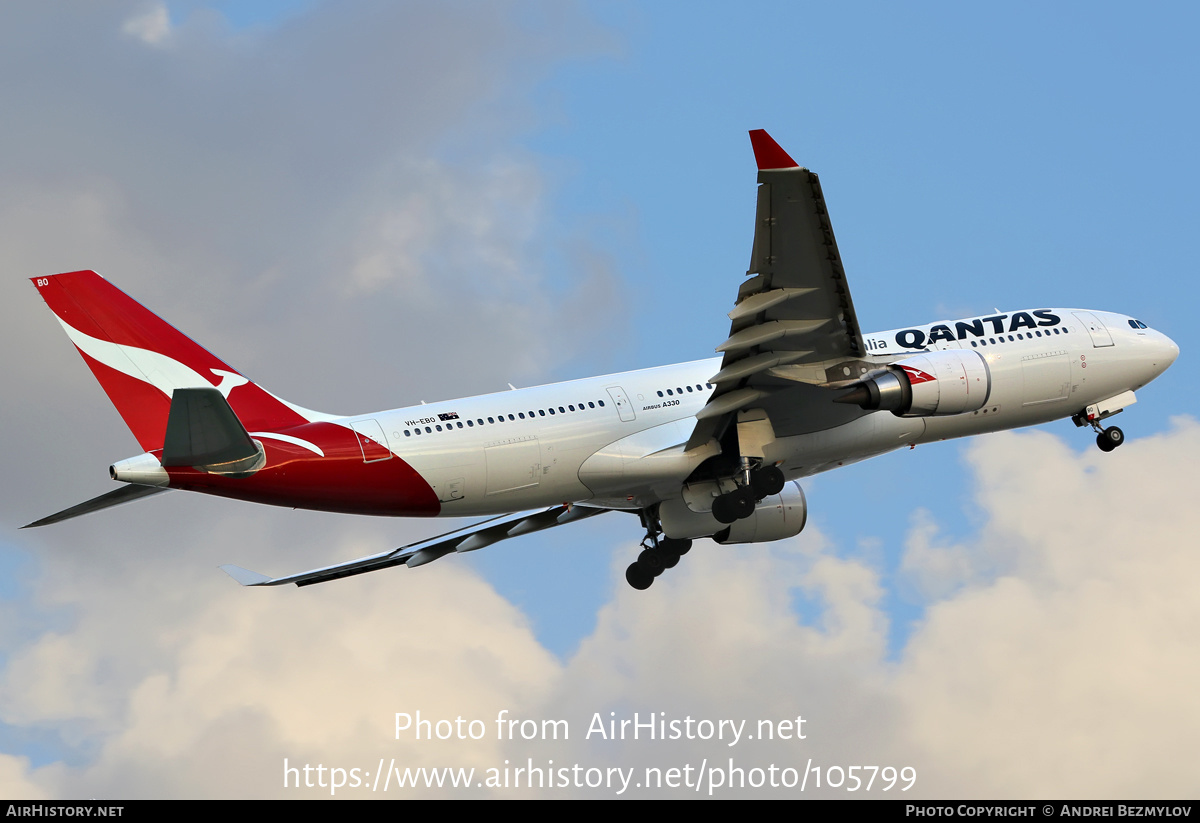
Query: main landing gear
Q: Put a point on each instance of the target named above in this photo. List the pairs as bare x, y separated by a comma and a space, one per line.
658, 555
660, 552
739, 503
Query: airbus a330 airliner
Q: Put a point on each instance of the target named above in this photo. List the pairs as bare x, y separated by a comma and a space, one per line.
711, 448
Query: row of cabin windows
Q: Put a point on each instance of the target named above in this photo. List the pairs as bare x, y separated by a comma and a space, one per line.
1011, 338
698, 388
500, 418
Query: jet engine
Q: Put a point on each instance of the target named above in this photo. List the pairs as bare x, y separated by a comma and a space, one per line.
775, 517
936, 383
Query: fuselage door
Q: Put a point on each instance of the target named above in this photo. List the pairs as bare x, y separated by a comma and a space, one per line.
1100, 335
1046, 377
513, 464
371, 440
624, 407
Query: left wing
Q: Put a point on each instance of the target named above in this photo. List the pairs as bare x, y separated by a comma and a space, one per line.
794, 321
468, 538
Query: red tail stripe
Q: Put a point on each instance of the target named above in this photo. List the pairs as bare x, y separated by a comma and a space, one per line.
90, 304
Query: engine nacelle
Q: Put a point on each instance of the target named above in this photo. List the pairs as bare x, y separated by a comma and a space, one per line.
775, 517
933, 384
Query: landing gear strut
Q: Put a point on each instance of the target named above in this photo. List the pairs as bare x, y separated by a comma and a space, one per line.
658, 554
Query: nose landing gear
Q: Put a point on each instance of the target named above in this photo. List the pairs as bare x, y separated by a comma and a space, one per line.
1108, 439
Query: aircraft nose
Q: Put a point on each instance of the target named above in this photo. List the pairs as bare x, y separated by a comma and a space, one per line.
1166, 352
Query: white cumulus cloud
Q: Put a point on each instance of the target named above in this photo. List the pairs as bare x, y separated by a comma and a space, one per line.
152, 25
1068, 673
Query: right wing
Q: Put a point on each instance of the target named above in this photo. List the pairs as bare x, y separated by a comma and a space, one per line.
468, 538
794, 322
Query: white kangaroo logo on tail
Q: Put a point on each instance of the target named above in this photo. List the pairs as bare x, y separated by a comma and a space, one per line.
229, 381
163, 373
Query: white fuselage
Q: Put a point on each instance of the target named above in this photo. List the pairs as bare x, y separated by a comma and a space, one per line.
617, 441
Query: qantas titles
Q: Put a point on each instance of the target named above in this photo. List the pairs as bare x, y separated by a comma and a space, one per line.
977, 327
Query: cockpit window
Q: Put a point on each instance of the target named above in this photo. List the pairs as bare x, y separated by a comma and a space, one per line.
1137, 324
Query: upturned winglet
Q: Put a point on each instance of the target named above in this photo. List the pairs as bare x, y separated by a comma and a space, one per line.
768, 153
245, 576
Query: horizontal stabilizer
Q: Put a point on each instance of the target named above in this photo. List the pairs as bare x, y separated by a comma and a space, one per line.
125, 494
203, 431
467, 538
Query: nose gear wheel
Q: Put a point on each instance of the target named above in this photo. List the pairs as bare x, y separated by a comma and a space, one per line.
1108, 439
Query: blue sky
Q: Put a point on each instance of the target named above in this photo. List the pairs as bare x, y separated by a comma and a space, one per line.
368, 206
